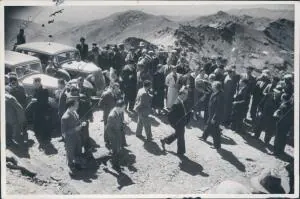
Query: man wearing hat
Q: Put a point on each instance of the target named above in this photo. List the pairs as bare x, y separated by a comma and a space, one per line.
230, 84
172, 58
215, 113
265, 120
172, 82
271, 85
285, 121
83, 49
21, 37
143, 109
130, 57
95, 57
240, 106
123, 53
114, 130
129, 84
158, 87
16, 90
42, 124
107, 102
71, 127
117, 62
251, 83
138, 52
289, 86
257, 94
178, 117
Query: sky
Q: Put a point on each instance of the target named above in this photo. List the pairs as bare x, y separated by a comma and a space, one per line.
79, 14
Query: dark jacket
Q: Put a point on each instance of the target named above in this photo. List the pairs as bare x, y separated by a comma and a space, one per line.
83, 50
19, 93
215, 107
107, 103
178, 116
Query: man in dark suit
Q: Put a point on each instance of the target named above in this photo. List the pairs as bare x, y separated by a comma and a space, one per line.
107, 102
285, 121
129, 84
114, 131
16, 90
83, 49
178, 118
240, 106
143, 109
215, 113
42, 113
71, 127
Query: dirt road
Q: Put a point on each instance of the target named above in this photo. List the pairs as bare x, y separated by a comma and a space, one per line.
146, 169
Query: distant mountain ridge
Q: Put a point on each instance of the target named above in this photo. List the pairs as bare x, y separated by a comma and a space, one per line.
244, 39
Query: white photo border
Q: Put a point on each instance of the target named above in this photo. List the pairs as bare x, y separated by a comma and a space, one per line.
4, 3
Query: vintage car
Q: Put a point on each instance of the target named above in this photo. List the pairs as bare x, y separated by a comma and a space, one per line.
65, 57
27, 68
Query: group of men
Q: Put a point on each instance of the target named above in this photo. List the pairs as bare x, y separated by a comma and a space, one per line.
143, 82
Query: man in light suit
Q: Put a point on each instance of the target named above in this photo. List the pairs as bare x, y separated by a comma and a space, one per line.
143, 109
178, 118
71, 127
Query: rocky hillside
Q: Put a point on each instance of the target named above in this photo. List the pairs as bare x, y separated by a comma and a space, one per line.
119, 26
243, 39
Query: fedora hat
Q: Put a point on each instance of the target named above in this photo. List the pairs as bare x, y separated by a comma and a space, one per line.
230, 187
267, 182
141, 44
278, 88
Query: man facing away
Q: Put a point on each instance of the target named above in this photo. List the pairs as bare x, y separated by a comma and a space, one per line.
143, 109
71, 127
178, 118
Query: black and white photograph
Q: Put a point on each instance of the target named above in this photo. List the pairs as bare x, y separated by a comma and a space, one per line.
150, 100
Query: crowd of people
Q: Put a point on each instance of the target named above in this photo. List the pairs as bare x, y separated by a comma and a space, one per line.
143, 81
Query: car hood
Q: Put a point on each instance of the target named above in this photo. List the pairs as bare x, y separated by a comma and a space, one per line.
47, 81
86, 67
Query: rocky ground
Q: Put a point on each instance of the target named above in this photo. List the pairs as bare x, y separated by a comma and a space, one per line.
146, 169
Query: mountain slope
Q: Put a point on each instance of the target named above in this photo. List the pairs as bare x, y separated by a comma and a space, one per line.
117, 27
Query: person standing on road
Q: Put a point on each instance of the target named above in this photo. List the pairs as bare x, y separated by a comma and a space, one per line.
71, 127
107, 102
114, 131
129, 84
21, 37
83, 49
240, 106
215, 114
178, 118
16, 90
143, 109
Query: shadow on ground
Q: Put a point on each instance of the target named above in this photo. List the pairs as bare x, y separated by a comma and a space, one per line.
232, 159
189, 166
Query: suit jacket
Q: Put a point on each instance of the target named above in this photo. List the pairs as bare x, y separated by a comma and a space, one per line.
178, 116
215, 107
19, 93
114, 129
69, 122
143, 102
83, 50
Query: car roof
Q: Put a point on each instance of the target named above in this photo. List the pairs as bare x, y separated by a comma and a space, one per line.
14, 58
49, 48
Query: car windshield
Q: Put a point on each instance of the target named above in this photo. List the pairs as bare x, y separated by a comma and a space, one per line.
28, 69
67, 56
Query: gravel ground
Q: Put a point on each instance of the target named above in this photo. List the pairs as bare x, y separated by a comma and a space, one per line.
145, 168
